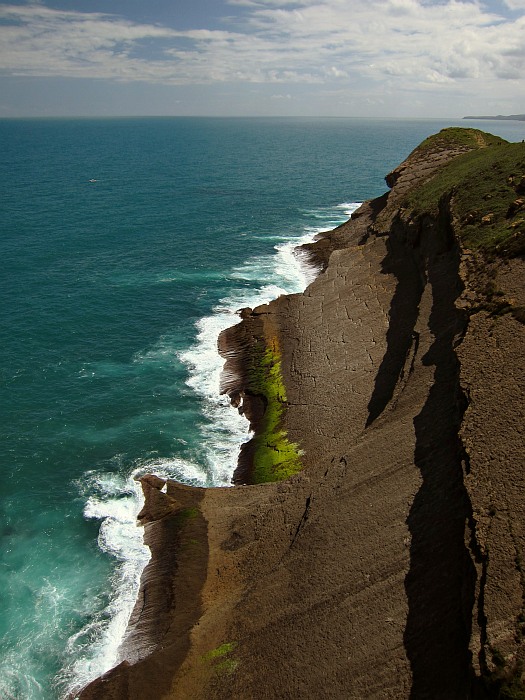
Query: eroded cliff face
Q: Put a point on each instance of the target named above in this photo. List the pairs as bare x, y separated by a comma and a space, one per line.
492, 376
391, 565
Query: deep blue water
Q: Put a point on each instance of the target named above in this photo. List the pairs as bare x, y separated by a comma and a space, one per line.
126, 246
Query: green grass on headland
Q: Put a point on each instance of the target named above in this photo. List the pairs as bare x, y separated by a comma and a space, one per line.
486, 185
275, 457
458, 136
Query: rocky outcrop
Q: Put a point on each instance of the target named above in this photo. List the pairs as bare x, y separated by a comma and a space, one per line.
169, 602
391, 565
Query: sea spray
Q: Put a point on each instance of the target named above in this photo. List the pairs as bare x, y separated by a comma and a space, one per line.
116, 499
98, 275
267, 277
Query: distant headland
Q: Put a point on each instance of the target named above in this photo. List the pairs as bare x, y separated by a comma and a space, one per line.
510, 117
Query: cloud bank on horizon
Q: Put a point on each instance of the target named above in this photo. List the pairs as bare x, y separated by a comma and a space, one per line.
317, 57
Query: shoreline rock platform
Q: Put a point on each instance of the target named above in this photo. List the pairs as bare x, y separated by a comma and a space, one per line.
391, 565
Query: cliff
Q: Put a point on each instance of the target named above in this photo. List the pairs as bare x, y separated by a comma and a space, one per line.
375, 549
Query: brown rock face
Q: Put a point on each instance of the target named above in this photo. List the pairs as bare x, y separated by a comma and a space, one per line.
169, 602
492, 359
391, 566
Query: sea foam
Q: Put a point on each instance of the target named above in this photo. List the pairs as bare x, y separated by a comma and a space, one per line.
116, 499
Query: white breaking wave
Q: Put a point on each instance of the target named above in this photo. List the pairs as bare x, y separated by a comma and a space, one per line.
285, 272
116, 500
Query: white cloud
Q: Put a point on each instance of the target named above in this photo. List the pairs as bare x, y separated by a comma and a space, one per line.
387, 45
271, 3
336, 72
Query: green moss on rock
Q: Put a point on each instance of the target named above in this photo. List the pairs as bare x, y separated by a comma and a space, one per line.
219, 660
275, 457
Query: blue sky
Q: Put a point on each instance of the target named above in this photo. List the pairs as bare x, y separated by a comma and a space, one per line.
375, 58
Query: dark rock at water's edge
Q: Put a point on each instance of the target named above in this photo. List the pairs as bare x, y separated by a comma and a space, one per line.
168, 604
391, 566
235, 345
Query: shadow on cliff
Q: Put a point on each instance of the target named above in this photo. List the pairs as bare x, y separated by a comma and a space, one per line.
441, 581
401, 339
440, 584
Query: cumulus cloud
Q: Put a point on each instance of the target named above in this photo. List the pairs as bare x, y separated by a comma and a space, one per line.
515, 4
389, 43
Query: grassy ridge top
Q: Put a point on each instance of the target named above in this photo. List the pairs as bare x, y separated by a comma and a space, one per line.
486, 185
458, 136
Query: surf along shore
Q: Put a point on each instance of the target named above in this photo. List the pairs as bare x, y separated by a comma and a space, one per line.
373, 544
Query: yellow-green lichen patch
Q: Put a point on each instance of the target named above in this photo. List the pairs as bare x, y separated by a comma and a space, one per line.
220, 660
275, 457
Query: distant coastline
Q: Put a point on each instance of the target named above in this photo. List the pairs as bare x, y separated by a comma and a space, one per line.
510, 117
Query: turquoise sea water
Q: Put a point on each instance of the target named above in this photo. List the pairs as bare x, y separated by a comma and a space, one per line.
126, 246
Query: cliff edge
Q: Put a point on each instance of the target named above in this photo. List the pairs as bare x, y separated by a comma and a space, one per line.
373, 547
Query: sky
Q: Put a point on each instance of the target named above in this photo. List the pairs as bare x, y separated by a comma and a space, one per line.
338, 58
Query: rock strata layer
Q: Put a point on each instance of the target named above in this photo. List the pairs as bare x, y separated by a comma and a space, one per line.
391, 565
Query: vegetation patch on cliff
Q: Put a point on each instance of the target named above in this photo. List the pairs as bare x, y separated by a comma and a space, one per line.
458, 136
275, 457
219, 660
486, 187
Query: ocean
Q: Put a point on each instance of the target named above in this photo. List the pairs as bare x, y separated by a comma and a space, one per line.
126, 246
